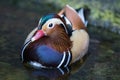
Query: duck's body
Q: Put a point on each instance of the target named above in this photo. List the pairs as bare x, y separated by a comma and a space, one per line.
59, 44
80, 44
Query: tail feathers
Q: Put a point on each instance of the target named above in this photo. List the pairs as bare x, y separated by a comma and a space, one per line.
81, 13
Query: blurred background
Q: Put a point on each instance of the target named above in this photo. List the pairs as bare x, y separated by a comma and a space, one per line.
19, 17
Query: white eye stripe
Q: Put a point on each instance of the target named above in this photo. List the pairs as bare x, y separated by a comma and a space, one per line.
54, 21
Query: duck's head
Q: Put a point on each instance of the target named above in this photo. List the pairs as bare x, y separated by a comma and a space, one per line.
51, 25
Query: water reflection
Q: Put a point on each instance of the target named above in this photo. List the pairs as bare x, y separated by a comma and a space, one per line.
50, 74
55, 73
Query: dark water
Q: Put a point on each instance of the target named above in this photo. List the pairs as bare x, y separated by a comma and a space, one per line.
101, 63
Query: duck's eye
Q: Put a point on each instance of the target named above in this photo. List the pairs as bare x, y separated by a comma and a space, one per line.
51, 25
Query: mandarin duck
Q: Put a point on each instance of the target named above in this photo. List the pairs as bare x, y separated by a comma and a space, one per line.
58, 41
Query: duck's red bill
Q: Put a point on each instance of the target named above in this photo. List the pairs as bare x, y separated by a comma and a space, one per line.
38, 35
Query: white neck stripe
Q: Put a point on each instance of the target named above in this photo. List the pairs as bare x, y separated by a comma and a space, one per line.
68, 60
62, 60
24, 49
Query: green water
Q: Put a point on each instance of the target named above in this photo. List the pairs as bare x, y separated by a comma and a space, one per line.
18, 18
